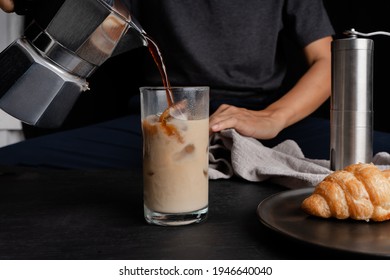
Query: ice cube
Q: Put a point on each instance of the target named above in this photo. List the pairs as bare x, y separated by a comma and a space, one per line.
186, 151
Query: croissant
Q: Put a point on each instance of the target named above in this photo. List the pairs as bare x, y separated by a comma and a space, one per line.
360, 191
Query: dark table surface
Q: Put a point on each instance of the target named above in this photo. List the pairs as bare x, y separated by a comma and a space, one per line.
78, 195
74, 214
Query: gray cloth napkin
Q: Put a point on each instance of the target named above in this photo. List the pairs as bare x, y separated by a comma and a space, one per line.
285, 164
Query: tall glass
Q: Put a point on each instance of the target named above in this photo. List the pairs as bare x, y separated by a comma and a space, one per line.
175, 155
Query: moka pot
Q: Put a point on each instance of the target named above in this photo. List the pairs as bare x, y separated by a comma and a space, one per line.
43, 73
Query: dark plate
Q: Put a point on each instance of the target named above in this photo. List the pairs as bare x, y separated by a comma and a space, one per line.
281, 212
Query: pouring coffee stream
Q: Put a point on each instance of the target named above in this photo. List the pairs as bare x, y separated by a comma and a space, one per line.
174, 109
158, 59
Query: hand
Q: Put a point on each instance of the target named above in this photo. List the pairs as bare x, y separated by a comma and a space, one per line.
264, 124
7, 5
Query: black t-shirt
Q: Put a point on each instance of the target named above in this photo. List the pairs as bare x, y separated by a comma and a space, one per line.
237, 47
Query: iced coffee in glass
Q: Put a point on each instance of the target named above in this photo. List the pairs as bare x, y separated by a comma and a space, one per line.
175, 127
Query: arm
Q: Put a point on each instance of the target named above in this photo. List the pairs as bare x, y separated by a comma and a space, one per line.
312, 90
7, 5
